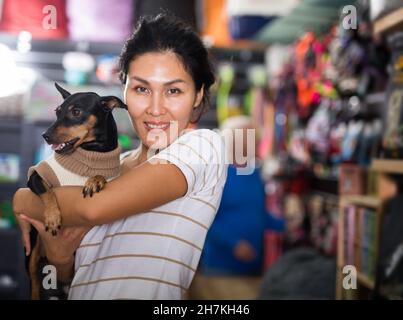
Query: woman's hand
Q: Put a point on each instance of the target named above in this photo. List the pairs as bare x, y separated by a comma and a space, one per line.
59, 249
25, 228
244, 251
20, 204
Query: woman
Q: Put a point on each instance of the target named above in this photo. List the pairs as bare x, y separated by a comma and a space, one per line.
150, 222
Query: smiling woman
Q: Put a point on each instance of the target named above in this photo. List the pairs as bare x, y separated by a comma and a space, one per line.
159, 97
149, 224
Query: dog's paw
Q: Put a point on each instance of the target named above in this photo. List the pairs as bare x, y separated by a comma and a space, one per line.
93, 185
53, 222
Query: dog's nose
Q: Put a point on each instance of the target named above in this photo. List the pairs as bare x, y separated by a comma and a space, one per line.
46, 136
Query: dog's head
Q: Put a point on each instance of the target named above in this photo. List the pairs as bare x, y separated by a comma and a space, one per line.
83, 118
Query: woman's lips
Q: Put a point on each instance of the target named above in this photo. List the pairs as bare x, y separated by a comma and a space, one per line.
156, 126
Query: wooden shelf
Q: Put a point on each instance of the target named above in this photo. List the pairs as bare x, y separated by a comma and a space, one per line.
387, 166
389, 23
364, 280
361, 200
369, 201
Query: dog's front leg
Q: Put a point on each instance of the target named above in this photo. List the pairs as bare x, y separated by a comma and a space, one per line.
94, 185
53, 217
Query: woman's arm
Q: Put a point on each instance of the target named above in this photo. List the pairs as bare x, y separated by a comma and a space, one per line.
142, 188
60, 249
274, 223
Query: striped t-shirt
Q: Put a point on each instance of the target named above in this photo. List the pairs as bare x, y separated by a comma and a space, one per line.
154, 255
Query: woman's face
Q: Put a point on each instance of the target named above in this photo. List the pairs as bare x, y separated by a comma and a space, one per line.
160, 95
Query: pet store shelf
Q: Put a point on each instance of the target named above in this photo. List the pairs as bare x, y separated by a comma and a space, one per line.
361, 278
387, 166
363, 200
365, 281
353, 240
389, 23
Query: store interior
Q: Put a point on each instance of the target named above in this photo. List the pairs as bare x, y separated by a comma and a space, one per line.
321, 81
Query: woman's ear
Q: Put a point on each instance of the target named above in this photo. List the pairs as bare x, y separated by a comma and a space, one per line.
199, 97
198, 106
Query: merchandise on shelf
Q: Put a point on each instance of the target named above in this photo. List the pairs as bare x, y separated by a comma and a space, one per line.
9, 167
43, 19
390, 272
84, 18
393, 137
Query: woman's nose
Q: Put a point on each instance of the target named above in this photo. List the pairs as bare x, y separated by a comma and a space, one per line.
156, 107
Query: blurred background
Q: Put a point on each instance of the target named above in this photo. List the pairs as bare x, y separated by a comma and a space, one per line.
321, 81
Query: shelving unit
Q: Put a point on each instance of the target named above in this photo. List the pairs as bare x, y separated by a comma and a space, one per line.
363, 281
12, 262
389, 23
376, 203
11, 137
363, 200
381, 168
388, 166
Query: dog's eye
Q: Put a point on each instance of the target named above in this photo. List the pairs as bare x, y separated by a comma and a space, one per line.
76, 112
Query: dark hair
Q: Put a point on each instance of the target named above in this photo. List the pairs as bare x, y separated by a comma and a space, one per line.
165, 33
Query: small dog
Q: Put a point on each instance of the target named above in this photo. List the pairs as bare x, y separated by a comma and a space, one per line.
85, 140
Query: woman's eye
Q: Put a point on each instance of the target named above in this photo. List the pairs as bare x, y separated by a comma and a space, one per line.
76, 112
141, 89
174, 91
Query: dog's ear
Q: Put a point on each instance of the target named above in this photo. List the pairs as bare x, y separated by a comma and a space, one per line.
62, 91
111, 102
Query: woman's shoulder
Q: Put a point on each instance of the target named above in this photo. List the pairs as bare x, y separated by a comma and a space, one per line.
201, 137
201, 133
205, 141
200, 155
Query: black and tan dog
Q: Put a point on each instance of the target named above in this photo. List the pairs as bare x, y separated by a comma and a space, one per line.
85, 140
